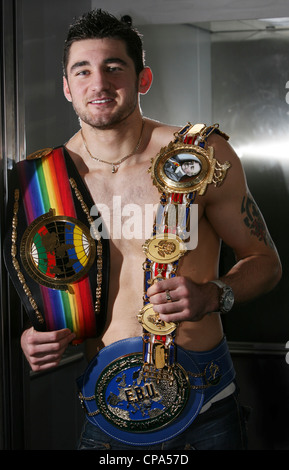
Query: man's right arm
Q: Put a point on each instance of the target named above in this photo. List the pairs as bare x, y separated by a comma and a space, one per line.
44, 350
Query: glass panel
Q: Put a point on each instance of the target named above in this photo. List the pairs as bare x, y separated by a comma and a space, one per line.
250, 73
49, 118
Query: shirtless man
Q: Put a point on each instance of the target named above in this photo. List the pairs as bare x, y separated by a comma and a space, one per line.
104, 83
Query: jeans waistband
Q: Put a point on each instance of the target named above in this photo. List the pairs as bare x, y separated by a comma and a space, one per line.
216, 367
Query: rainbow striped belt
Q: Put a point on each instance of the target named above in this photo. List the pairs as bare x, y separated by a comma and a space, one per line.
58, 262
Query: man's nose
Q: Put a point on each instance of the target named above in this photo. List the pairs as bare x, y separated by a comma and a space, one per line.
100, 80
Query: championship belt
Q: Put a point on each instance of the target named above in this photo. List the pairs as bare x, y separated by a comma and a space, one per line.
180, 171
137, 408
57, 260
147, 390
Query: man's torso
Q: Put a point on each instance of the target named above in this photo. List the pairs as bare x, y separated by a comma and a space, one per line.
127, 201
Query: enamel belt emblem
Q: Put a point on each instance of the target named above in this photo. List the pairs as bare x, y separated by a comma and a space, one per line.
57, 250
138, 400
185, 168
135, 403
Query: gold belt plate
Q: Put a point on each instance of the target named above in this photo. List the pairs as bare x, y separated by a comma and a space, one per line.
164, 248
152, 323
186, 168
137, 402
57, 251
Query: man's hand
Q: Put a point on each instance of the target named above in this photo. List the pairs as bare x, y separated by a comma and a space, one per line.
45, 349
179, 299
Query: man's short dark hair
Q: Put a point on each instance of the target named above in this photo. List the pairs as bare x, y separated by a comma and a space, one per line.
99, 24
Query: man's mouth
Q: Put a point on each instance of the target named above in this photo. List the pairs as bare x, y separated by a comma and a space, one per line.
101, 101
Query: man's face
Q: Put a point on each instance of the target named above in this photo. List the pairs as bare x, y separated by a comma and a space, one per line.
190, 168
101, 82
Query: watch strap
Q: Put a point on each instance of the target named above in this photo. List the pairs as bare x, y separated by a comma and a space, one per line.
224, 287
219, 283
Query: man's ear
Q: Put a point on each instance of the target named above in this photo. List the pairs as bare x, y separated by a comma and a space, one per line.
66, 89
145, 80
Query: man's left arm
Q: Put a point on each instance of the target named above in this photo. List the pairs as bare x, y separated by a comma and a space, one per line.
238, 221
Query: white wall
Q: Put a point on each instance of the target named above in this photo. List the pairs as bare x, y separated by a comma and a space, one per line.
179, 56
192, 11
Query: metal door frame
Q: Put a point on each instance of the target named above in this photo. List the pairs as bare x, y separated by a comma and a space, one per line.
12, 141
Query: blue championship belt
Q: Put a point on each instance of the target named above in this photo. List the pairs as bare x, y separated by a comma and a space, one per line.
136, 405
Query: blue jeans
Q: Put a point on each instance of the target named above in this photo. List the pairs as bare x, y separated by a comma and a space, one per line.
221, 427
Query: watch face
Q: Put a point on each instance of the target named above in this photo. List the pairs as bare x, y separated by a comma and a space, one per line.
228, 300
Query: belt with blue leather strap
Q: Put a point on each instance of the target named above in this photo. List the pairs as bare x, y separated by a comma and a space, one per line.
137, 408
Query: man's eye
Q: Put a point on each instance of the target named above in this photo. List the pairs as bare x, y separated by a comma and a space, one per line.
114, 69
82, 72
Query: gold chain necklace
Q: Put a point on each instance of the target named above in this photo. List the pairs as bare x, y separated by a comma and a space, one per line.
114, 166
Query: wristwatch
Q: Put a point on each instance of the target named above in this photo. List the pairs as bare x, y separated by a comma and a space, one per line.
226, 296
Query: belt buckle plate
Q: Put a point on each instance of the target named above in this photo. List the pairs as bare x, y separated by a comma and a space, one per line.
139, 399
134, 403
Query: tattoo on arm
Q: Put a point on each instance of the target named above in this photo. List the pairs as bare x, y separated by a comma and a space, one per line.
253, 220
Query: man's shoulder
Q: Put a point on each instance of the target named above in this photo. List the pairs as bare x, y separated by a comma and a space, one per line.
167, 132
159, 126
162, 133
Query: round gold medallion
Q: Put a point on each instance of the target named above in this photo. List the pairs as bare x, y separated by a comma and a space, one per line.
57, 250
164, 248
152, 323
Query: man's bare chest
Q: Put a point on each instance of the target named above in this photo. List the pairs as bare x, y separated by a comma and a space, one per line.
127, 203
